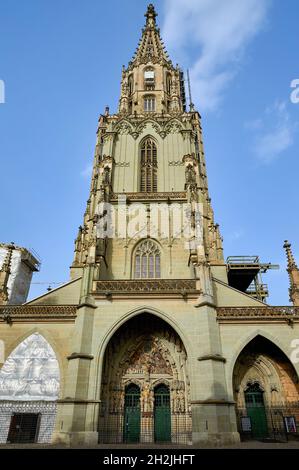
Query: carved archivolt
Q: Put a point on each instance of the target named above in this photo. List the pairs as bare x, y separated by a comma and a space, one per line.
272, 374
145, 358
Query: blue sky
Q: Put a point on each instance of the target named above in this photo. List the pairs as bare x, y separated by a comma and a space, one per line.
61, 60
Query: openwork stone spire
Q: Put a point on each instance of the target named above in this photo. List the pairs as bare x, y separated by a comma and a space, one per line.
150, 47
293, 271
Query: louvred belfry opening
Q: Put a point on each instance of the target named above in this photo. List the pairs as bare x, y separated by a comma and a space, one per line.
148, 181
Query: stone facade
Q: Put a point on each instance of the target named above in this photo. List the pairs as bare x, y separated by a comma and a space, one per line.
149, 328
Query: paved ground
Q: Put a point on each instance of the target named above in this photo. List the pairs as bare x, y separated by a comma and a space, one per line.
241, 445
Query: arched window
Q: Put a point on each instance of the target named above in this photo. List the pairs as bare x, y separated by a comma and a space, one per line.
147, 260
168, 83
131, 84
148, 180
149, 104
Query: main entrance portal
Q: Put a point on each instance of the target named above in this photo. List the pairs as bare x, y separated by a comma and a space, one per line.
145, 385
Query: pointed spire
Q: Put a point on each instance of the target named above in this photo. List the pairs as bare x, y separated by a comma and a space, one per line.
150, 47
5, 273
293, 271
290, 256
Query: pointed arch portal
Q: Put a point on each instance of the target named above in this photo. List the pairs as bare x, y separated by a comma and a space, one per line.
266, 390
145, 394
29, 388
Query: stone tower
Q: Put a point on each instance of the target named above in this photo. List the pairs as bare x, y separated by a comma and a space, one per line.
149, 239
150, 152
155, 338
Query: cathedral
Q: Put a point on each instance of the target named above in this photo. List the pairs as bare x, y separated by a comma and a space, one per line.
155, 337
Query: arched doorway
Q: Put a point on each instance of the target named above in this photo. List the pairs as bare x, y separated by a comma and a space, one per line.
132, 414
266, 390
145, 352
162, 414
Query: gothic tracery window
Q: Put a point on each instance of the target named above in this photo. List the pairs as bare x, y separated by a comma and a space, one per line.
147, 260
148, 180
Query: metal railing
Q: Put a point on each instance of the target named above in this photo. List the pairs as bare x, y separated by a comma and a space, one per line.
277, 423
242, 260
112, 430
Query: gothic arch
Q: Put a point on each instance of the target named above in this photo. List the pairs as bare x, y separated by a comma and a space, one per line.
242, 343
175, 124
139, 311
146, 351
158, 382
31, 371
262, 361
117, 324
133, 256
132, 381
50, 340
124, 126
155, 125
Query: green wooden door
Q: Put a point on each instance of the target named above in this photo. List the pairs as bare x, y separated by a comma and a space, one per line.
132, 414
162, 419
256, 411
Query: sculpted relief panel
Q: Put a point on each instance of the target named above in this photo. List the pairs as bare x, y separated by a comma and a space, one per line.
31, 372
148, 358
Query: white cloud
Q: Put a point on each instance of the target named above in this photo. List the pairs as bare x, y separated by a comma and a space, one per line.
219, 30
254, 124
86, 173
236, 235
274, 132
272, 144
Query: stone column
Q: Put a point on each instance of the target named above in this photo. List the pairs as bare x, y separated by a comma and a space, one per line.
75, 424
213, 415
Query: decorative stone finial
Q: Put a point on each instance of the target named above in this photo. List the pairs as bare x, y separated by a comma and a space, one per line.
293, 271
151, 16
290, 257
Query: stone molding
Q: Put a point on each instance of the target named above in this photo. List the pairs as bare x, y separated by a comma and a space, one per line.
181, 288
161, 196
212, 401
287, 313
11, 313
80, 356
212, 357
